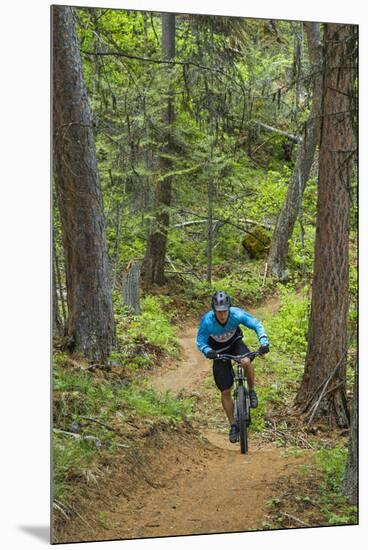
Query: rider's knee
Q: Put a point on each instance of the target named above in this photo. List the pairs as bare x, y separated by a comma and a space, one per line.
226, 393
246, 362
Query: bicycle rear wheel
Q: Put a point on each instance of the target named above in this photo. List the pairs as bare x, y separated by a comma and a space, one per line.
242, 420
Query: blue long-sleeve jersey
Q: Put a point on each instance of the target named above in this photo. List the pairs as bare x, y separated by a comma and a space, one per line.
212, 333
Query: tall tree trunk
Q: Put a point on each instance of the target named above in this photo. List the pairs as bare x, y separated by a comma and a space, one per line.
58, 283
305, 155
131, 279
323, 383
154, 264
350, 481
210, 234
57, 325
90, 326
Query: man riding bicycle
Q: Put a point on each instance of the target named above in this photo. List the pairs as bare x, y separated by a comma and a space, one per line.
218, 333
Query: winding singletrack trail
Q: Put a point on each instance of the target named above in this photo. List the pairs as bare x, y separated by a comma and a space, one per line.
186, 483
225, 491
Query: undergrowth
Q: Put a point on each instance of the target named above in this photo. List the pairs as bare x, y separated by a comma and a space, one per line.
142, 338
99, 413
242, 281
314, 494
332, 504
288, 329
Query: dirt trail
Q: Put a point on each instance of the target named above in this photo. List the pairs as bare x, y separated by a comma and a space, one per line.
229, 491
188, 373
190, 484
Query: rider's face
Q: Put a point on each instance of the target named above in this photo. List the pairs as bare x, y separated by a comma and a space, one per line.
222, 316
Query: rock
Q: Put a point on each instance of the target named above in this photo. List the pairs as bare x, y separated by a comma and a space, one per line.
256, 243
75, 427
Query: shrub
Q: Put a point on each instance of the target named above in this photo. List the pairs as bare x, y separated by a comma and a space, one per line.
154, 324
288, 329
243, 284
79, 396
332, 463
141, 337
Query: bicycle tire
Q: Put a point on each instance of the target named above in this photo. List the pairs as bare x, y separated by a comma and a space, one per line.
247, 409
242, 420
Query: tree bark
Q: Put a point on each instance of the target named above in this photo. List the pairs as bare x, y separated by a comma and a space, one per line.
305, 155
325, 367
60, 322
90, 325
131, 279
350, 481
57, 326
210, 194
154, 264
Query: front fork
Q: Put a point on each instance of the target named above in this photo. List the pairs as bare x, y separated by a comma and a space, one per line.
235, 393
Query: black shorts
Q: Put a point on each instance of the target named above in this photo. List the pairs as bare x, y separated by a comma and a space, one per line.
222, 369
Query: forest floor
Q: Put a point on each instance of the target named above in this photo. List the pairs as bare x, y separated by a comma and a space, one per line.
189, 479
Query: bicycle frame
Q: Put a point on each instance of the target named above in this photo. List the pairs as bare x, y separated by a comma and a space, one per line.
241, 375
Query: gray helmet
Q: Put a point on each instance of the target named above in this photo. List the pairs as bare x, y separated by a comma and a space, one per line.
221, 301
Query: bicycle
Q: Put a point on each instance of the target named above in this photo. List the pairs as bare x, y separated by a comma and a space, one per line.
241, 397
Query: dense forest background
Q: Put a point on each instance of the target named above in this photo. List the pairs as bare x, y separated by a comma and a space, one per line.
193, 154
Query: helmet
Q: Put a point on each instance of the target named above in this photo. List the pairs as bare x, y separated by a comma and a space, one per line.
221, 301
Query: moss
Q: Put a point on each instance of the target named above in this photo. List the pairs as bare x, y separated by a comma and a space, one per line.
257, 243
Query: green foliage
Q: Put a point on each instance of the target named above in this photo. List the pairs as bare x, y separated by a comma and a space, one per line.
335, 507
127, 97
258, 415
250, 165
243, 283
72, 459
288, 329
273, 503
270, 194
322, 494
79, 394
198, 295
241, 286
154, 324
250, 171
149, 403
102, 519
332, 463
140, 338
60, 359
300, 255
277, 378
183, 248
348, 515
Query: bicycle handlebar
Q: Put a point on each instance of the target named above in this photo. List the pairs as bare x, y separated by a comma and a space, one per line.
237, 358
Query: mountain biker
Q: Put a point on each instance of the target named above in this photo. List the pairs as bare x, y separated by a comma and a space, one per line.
219, 332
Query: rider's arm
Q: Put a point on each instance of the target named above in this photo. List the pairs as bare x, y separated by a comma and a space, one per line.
251, 322
202, 337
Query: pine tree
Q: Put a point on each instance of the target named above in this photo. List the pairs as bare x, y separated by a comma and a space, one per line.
323, 384
90, 325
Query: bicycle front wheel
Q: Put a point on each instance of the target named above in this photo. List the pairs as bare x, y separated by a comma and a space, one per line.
242, 420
